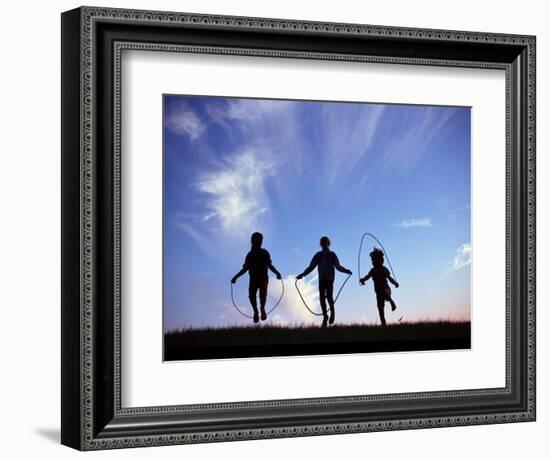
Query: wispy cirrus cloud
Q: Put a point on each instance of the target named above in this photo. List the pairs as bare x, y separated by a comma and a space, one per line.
406, 148
248, 110
232, 198
193, 231
344, 144
273, 127
415, 222
462, 258
181, 120
235, 194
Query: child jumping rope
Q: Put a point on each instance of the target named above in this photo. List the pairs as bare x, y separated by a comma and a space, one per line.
257, 261
380, 276
325, 261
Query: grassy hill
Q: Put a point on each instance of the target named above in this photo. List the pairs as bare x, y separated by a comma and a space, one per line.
268, 340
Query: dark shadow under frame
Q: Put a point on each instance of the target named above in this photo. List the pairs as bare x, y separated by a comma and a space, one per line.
92, 42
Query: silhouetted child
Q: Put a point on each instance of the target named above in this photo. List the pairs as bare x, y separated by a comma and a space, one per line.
257, 261
325, 261
380, 276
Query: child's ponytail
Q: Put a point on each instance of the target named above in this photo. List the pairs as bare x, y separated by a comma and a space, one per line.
377, 256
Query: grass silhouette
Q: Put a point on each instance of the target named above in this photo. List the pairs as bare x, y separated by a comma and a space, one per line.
192, 343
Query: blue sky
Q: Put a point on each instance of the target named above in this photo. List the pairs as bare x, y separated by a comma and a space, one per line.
298, 170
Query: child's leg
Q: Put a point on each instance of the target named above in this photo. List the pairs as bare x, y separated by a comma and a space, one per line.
322, 300
390, 300
330, 299
252, 291
380, 304
263, 299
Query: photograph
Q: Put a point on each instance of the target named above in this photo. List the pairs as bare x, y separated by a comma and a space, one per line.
314, 227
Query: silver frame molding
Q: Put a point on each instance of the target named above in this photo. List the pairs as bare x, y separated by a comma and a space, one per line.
93, 40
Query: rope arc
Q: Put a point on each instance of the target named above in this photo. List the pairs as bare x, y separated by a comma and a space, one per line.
335, 299
267, 313
359, 255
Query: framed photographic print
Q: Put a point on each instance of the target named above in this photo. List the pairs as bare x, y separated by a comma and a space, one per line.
271, 202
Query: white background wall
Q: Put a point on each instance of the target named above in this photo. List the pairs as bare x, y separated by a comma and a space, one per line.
30, 240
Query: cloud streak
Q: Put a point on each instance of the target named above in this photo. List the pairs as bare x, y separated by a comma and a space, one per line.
408, 145
270, 126
195, 234
235, 193
248, 110
415, 222
462, 258
182, 120
344, 143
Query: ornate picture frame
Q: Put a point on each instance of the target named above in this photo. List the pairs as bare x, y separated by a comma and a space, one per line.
93, 416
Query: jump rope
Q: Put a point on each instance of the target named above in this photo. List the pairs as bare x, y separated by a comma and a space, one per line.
359, 255
339, 291
270, 310
335, 299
